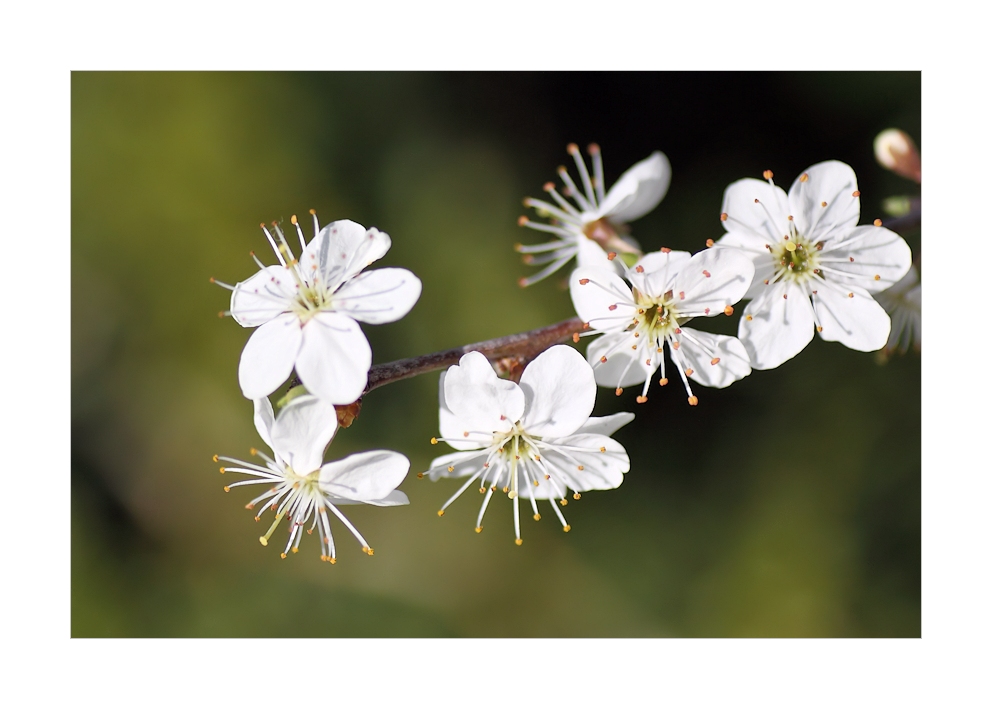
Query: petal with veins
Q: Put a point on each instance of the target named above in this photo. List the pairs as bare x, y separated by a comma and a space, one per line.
268, 357
639, 189
559, 390
714, 279
263, 297
852, 318
617, 348
301, 432
335, 358
380, 296
832, 182
875, 251
363, 477
480, 400
594, 299
779, 327
698, 351
765, 220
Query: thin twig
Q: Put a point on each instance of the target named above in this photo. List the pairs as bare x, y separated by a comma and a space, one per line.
524, 345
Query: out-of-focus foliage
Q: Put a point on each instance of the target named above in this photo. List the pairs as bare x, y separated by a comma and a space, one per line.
786, 505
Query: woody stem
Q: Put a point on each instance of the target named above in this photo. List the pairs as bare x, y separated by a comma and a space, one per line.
522, 347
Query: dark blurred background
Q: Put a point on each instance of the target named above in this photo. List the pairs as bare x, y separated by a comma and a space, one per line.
786, 505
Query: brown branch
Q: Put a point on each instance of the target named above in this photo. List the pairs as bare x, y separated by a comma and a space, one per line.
522, 346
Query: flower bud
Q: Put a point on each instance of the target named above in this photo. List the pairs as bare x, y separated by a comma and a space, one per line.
896, 151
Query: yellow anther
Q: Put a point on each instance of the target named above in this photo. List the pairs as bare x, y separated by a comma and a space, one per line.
295, 549
370, 551
332, 560
723, 217
420, 475
877, 222
537, 457
537, 518
602, 449
440, 513
482, 490
619, 391
804, 177
222, 470
576, 496
582, 467
263, 541
768, 174
567, 528
878, 277
536, 483
227, 489
433, 441
693, 401
282, 555
451, 468
505, 489
748, 318
253, 451
689, 371
563, 502
478, 529
663, 381
215, 458
519, 542
640, 400
715, 360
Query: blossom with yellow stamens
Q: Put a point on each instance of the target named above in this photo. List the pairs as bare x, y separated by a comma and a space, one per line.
307, 310
533, 440
300, 488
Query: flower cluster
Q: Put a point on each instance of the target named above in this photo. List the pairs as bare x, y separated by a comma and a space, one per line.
306, 311
517, 411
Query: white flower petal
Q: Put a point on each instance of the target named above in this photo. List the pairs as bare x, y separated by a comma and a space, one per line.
779, 327
832, 182
264, 419
870, 251
302, 430
765, 220
560, 391
262, 297
343, 249
594, 299
380, 296
364, 477
851, 317
268, 357
639, 189
591, 255
463, 464
733, 361
453, 430
660, 270
713, 279
334, 359
393, 499
601, 470
624, 366
606, 425
480, 400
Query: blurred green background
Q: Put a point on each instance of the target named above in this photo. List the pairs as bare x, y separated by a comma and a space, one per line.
786, 505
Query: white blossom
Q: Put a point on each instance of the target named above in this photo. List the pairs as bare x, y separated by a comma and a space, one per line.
302, 489
534, 439
597, 219
903, 302
815, 268
668, 289
306, 311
